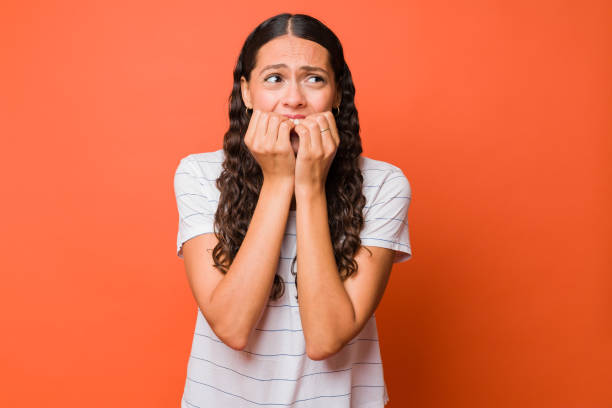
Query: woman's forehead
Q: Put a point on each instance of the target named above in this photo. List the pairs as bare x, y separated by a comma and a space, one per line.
292, 51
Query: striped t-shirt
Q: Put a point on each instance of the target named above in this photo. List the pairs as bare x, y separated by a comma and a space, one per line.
274, 370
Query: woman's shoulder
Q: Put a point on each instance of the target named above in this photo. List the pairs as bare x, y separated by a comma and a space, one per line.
202, 163
381, 177
373, 169
199, 169
213, 157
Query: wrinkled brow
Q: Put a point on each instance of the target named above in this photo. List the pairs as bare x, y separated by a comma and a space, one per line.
303, 68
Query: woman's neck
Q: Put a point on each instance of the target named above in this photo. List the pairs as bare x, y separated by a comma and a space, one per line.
292, 207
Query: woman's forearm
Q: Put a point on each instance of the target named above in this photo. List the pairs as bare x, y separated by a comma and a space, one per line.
326, 309
240, 297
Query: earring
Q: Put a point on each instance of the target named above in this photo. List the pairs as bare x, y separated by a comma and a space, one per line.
246, 108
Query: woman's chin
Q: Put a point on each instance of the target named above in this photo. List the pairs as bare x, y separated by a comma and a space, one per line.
295, 142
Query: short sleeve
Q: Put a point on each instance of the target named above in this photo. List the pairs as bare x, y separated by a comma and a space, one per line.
194, 201
386, 214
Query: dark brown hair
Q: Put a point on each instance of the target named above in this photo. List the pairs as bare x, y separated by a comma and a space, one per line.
241, 179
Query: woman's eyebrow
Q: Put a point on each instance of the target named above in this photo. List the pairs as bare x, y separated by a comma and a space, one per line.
303, 68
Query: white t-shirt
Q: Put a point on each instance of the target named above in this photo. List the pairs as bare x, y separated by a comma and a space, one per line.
274, 370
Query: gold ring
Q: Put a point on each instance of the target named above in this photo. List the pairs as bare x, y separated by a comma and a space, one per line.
324, 130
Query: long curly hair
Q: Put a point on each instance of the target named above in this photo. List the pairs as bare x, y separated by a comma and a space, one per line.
241, 178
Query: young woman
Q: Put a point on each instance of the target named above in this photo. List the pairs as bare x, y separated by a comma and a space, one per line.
273, 328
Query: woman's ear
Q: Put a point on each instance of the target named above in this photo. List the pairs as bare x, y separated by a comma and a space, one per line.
244, 89
338, 97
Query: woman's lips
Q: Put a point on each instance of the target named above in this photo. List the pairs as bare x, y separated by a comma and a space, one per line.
295, 118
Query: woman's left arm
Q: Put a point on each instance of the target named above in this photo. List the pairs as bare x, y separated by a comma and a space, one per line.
332, 312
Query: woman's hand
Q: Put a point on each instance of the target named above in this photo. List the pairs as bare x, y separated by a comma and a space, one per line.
316, 152
267, 137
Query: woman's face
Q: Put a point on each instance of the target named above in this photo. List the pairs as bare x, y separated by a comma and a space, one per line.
292, 76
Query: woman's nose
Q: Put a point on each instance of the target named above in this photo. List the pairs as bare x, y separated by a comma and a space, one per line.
294, 96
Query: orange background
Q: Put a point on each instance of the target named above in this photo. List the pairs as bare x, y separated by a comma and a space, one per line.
499, 113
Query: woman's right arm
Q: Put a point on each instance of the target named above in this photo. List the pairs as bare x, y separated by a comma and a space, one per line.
233, 303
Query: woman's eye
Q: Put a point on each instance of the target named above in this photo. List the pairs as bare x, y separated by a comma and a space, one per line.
277, 76
272, 76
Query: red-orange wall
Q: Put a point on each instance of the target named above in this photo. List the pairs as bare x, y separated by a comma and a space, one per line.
499, 113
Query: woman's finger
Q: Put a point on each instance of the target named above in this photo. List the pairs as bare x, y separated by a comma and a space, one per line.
327, 140
333, 128
250, 133
304, 135
284, 132
260, 132
316, 141
272, 132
